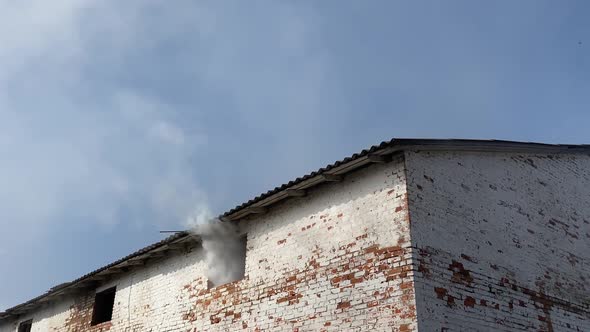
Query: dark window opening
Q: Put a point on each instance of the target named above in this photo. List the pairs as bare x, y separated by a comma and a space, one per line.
230, 265
25, 326
103, 306
241, 268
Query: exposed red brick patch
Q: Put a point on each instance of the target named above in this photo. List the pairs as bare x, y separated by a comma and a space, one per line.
389, 252
371, 249
281, 241
460, 274
469, 302
406, 285
81, 316
450, 300
404, 328
355, 265
292, 298
336, 280
401, 240
350, 245
422, 268
372, 304
343, 305
314, 263
545, 303
440, 292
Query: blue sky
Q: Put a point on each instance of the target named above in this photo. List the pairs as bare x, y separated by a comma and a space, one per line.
122, 118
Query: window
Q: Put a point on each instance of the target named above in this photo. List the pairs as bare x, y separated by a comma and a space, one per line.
228, 263
103, 306
25, 326
241, 266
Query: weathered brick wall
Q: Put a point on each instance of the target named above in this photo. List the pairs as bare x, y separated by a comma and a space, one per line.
151, 299
337, 259
147, 299
502, 241
47, 318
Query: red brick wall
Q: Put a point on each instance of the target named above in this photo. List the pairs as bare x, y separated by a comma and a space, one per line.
338, 259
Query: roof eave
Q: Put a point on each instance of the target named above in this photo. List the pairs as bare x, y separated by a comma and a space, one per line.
379, 153
176, 242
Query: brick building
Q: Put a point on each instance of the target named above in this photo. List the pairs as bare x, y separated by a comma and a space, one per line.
429, 235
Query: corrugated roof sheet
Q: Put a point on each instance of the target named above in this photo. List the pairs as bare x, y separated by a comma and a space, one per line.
408, 143
63, 286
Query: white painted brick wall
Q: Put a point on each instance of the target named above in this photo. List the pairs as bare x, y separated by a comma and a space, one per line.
307, 264
337, 259
146, 298
503, 241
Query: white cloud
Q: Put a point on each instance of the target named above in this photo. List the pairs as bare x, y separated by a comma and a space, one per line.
201, 215
70, 141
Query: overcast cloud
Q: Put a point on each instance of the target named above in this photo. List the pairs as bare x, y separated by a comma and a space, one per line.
121, 118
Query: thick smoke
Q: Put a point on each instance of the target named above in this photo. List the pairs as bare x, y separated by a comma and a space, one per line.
225, 250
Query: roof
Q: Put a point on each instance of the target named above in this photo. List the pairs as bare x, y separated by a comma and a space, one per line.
379, 153
298, 187
177, 241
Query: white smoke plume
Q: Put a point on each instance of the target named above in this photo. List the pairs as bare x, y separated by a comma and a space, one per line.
224, 245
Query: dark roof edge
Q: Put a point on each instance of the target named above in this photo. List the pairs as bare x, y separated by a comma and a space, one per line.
376, 153
177, 241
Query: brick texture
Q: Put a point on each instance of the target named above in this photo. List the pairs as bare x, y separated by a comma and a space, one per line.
337, 259
502, 241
